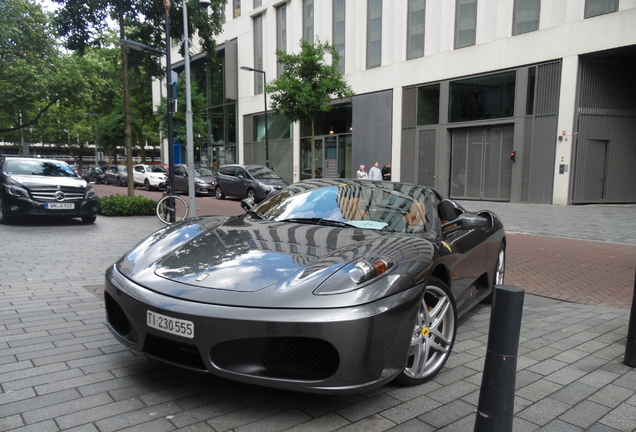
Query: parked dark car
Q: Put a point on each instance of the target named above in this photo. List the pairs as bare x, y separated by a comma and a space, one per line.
329, 286
255, 181
203, 184
44, 187
117, 174
95, 175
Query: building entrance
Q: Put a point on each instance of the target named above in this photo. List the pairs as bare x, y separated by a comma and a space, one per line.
333, 156
481, 167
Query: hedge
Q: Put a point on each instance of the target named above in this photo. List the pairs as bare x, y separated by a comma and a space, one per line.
119, 205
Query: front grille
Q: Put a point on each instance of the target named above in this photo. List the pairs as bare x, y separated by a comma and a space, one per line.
294, 358
302, 357
177, 353
49, 194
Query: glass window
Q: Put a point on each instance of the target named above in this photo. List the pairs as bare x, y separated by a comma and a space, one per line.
415, 30
257, 3
281, 33
600, 7
308, 20
374, 33
339, 8
428, 105
236, 7
481, 98
258, 53
526, 16
465, 23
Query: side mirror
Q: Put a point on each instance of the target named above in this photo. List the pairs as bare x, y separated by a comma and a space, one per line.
247, 204
465, 222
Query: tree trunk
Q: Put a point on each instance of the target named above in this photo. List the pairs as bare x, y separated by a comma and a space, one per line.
313, 151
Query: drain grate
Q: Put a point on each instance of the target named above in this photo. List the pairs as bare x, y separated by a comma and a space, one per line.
98, 290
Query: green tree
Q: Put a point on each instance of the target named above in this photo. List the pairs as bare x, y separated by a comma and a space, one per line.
34, 75
80, 21
307, 85
199, 125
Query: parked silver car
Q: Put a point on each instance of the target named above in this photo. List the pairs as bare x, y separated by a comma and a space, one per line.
254, 181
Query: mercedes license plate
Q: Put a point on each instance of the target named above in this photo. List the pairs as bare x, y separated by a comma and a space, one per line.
170, 325
60, 206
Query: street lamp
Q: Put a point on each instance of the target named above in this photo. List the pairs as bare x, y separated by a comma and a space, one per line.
189, 132
265, 99
138, 46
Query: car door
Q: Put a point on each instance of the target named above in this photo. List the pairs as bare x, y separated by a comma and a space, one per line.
139, 173
180, 179
242, 182
473, 254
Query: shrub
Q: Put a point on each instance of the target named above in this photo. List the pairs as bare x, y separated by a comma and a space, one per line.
119, 205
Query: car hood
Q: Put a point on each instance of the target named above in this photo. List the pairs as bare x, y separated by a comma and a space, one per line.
275, 183
31, 181
255, 263
206, 179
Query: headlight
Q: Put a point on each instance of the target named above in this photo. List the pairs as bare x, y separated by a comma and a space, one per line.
90, 193
16, 189
357, 274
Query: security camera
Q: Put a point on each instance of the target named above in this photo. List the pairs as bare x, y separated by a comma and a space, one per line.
204, 3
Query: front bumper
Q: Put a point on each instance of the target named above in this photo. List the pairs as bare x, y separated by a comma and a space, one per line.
15, 206
342, 350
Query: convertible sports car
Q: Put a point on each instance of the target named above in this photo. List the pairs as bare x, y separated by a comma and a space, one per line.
329, 286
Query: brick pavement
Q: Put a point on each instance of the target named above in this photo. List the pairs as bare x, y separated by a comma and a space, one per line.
60, 369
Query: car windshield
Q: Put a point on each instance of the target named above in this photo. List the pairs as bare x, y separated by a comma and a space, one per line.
205, 172
157, 169
40, 168
262, 173
392, 207
121, 168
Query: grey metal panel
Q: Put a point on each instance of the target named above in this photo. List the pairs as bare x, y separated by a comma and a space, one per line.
409, 107
408, 162
607, 124
248, 124
231, 70
426, 158
372, 120
539, 139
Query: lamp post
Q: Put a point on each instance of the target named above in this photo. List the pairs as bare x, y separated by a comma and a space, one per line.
167, 4
189, 139
265, 99
170, 94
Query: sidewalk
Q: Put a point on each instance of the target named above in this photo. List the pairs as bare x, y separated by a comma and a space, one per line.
60, 368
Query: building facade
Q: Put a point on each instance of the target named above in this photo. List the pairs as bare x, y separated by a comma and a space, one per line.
504, 100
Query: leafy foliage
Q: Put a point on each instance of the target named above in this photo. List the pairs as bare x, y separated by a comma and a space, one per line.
118, 205
308, 83
34, 75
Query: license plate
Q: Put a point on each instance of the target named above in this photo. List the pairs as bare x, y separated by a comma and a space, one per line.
170, 325
60, 206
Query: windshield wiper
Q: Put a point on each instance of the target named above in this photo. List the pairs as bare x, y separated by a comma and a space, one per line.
320, 221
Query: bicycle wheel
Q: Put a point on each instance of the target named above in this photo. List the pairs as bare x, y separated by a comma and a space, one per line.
170, 203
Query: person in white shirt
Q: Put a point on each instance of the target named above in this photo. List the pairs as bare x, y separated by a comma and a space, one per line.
362, 174
374, 172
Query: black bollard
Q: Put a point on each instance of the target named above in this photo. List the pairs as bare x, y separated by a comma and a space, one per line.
497, 394
630, 345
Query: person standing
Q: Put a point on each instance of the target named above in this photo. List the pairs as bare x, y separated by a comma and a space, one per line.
374, 172
362, 174
386, 172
